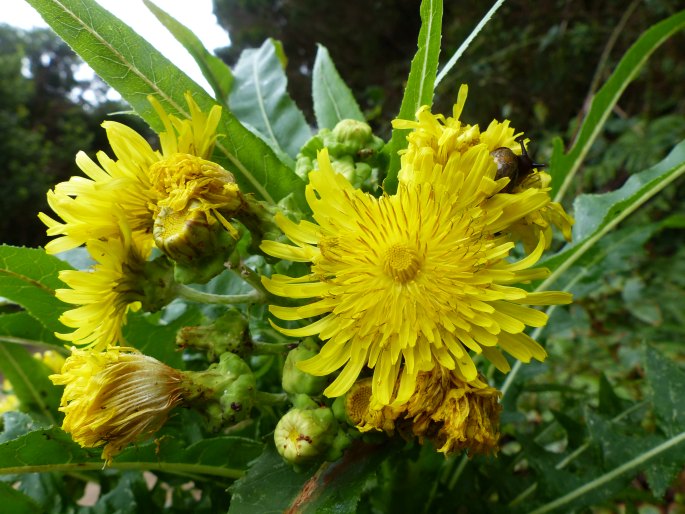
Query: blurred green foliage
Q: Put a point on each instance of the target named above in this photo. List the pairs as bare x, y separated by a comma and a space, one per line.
45, 119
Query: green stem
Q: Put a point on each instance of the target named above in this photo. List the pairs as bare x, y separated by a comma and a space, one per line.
462, 48
194, 295
574, 455
178, 468
270, 348
32, 343
609, 476
271, 398
458, 472
250, 276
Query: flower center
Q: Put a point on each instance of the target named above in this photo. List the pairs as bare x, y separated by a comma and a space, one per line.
401, 263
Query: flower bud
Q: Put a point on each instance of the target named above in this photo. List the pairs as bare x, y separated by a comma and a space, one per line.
353, 149
303, 434
225, 392
228, 333
296, 381
196, 242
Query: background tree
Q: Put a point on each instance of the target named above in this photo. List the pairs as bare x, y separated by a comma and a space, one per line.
45, 120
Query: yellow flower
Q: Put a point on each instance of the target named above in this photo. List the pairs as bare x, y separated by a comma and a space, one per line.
8, 400
451, 413
105, 293
440, 151
406, 282
53, 360
115, 397
136, 185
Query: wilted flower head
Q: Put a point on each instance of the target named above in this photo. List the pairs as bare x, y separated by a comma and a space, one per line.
452, 414
407, 282
115, 397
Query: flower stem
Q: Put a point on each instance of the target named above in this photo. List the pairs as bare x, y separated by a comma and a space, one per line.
178, 468
270, 348
271, 398
250, 276
194, 295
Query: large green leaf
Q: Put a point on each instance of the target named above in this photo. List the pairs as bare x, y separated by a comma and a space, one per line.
598, 214
217, 73
16, 502
260, 99
53, 450
29, 378
329, 488
419, 88
132, 66
250, 496
22, 328
333, 100
28, 277
565, 165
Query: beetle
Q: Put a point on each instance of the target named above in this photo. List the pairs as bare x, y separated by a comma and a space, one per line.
516, 167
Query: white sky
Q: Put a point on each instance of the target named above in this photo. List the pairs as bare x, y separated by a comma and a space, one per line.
195, 14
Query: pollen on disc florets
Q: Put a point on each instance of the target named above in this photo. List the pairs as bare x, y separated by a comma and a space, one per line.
402, 262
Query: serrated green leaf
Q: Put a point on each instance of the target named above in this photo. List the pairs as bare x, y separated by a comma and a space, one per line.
260, 99
223, 453
217, 73
29, 378
338, 486
647, 451
53, 450
133, 67
610, 404
28, 277
40, 450
129, 496
333, 100
563, 166
16, 424
16, 502
419, 88
598, 214
667, 381
250, 496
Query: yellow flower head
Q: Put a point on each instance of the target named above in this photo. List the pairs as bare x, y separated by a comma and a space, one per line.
451, 413
438, 152
104, 293
125, 188
115, 397
404, 283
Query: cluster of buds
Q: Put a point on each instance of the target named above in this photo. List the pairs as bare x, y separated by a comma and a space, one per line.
354, 150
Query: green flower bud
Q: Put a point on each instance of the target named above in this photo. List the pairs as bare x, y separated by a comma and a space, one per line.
197, 243
228, 333
225, 393
157, 284
354, 151
340, 443
302, 435
238, 399
355, 133
296, 381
